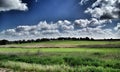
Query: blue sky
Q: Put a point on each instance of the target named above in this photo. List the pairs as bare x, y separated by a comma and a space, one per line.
74, 15
49, 10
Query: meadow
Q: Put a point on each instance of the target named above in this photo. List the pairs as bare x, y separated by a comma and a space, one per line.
61, 56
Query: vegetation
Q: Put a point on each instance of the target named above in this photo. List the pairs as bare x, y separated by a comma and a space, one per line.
4, 42
74, 59
81, 59
21, 67
66, 44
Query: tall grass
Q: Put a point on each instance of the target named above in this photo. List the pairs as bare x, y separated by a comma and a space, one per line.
61, 59
70, 60
21, 66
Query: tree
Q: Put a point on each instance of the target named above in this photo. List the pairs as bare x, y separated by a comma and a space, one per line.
4, 42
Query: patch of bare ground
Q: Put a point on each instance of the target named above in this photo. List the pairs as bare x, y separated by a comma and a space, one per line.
61, 46
40, 46
5, 70
100, 46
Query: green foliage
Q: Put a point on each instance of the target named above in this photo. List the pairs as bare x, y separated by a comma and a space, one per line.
62, 59
27, 67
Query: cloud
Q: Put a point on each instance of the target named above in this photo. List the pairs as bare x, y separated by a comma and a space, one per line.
83, 23
102, 12
7, 5
104, 9
83, 1
117, 27
86, 28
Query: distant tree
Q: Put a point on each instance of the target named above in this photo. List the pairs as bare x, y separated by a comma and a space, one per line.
38, 40
92, 38
87, 38
4, 42
23, 41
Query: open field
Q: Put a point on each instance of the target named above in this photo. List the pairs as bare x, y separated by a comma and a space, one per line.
31, 57
66, 44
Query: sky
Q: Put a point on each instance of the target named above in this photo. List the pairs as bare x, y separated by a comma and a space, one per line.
32, 19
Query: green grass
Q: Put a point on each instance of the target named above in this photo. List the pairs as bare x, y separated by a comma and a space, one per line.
21, 66
19, 50
62, 59
81, 59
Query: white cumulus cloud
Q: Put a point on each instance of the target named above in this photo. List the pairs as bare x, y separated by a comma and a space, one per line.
101, 11
7, 5
104, 9
117, 27
61, 29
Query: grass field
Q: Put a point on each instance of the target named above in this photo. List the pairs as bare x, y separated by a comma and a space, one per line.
65, 43
35, 58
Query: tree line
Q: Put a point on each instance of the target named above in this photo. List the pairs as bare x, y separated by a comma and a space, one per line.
4, 42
